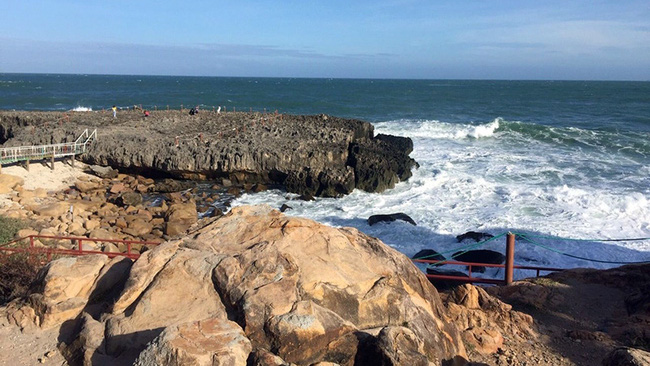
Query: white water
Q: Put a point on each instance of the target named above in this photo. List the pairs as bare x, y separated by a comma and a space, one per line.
82, 109
488, 179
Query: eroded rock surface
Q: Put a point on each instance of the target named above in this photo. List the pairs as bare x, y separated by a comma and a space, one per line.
310, 155
273, 288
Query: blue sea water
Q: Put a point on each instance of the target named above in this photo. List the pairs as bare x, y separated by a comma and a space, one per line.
547, 158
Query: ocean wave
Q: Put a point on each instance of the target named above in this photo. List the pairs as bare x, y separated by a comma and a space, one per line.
439, 130
81, 109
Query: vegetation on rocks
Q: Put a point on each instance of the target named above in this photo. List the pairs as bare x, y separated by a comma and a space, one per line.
9, 227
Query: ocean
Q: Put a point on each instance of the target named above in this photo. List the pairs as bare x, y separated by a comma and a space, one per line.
566, 163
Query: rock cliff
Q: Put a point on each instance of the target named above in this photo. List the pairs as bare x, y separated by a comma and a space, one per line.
310, 155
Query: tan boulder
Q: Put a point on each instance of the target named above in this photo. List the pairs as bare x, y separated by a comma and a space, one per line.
76, 229
40, 192
91, 225
65, 286
23, 233
9, 182
166, 287
483, 319
54, 209
305, 292
401, 346
87, 186
138, 228
118, 188
208, 342
101, 233
179, 217
307, 332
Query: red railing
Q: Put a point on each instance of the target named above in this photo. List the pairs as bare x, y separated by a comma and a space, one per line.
76, 241
509, 267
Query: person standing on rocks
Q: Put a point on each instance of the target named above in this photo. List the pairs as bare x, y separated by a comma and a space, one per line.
114, 111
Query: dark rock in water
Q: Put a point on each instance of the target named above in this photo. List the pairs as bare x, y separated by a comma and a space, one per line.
285, 207
391, 217
129, 199
380, 163
445, 284
103, 171
479, 256
172, 185
306, 197
476, 236
328, 183
429, 254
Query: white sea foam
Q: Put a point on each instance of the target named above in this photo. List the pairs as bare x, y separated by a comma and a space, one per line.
81, 109
470, 180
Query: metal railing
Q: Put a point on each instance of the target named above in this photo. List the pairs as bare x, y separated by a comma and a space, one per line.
20, 247
25, 153
509, 267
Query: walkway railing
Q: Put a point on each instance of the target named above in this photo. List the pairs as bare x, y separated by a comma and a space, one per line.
19, 246
509, 265
27, 153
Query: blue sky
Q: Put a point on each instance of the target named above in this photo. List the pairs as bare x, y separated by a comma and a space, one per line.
574, 40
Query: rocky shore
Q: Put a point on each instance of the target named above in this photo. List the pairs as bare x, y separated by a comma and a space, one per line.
256, 287
309, 155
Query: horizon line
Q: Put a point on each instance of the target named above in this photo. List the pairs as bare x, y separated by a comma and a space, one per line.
323, 77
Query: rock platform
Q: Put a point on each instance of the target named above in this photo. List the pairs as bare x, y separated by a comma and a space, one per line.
316, 155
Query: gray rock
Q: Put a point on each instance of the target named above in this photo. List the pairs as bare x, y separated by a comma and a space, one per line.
103, 171
624, 356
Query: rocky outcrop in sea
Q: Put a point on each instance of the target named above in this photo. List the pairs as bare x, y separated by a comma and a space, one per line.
310, 155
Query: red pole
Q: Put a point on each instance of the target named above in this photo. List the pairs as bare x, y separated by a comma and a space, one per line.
80, 247
510, 258
31, 241
128, 248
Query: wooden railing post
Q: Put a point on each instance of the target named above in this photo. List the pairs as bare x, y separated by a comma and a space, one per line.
510, 258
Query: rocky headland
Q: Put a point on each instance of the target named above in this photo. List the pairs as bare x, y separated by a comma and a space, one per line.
310, 155
255, 287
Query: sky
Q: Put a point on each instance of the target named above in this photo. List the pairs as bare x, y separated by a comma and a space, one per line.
548, 40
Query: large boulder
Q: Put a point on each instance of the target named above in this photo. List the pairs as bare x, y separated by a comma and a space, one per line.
179, 217
64, 287
271, 288
485, 320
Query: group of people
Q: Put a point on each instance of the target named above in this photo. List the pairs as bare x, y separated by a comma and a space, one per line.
193, 111
144, 111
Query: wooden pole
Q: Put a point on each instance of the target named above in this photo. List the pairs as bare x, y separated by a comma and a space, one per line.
52, 166
510, 258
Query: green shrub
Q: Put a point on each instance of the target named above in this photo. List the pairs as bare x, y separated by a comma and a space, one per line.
9, 227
